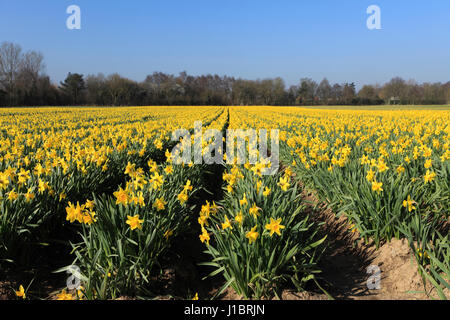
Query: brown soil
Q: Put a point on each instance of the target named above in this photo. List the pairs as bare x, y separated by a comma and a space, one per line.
39, 284
346, 260
6, 290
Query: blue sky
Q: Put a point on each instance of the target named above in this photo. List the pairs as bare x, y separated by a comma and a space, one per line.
247, 38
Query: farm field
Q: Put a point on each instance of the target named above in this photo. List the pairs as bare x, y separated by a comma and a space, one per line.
95, 192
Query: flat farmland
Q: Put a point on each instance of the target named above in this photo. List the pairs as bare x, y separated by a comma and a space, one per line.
98, 195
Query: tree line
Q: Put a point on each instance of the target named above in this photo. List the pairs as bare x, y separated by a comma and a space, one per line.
23, 82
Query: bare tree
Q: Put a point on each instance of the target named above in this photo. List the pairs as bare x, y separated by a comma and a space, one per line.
31, 66
307, 91
10, 63
324, 91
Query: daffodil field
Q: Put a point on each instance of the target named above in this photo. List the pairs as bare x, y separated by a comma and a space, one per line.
103, 181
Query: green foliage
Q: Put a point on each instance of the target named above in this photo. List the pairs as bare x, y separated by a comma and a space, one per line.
116, 260
255, 270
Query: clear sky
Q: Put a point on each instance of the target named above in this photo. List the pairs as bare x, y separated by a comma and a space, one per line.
246, 38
